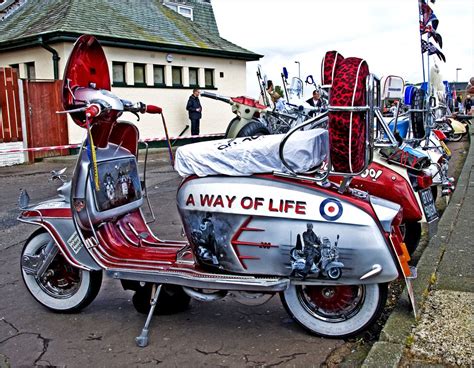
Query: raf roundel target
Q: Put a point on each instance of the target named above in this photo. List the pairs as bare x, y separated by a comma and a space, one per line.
330, 209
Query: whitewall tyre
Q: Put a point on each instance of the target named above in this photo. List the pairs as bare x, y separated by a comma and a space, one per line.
335, 311
63, 288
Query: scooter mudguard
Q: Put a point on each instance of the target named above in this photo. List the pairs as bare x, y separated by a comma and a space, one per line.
458, 127
249, 225
235, 128
56, 218
334, 265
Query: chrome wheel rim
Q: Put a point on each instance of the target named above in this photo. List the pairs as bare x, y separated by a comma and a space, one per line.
60, 280
332, 303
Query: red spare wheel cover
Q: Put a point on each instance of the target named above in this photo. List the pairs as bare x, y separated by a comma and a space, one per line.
347, 131
87, 64
328, 66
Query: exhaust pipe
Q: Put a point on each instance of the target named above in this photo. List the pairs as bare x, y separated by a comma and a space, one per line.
205, 297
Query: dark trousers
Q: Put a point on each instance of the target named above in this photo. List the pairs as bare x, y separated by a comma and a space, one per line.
195, 126
312, 255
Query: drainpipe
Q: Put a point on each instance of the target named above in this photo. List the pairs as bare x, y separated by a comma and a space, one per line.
56, 57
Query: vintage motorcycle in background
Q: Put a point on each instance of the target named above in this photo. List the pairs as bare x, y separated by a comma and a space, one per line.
241, 217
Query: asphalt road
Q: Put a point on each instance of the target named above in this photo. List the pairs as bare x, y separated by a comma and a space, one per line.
218, 334
223, 333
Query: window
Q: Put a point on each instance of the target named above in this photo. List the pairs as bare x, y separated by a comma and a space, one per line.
186, 11
118, 73
16, 67
139, 74
158, 75
209, 77
30, 70
193, 77
177, 74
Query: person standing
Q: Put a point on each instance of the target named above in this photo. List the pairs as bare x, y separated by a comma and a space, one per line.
315, 101
467, 105
194, 111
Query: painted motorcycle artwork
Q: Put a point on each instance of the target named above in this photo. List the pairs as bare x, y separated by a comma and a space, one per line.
315, 256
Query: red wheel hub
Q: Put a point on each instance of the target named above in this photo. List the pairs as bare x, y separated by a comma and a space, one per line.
332, 299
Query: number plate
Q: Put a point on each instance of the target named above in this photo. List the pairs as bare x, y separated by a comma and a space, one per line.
428, 204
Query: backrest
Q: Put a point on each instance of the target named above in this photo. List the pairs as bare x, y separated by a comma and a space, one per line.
328, 66
348, 134
393, 88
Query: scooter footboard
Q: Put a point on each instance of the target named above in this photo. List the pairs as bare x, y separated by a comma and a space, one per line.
260, 226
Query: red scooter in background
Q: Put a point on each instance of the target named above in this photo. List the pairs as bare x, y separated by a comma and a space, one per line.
242, 217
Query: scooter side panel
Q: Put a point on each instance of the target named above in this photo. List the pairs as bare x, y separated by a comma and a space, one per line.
251, 225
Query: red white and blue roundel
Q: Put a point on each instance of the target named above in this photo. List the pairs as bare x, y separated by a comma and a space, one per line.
330, 209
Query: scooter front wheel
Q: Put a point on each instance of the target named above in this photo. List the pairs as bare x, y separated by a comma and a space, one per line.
62, 287
455, 137
337, 311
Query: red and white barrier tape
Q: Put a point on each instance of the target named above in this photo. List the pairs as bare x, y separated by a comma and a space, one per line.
77, 145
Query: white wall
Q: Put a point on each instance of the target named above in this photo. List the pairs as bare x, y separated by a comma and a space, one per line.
216, 115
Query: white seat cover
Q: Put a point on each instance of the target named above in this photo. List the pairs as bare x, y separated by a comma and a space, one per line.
252, 155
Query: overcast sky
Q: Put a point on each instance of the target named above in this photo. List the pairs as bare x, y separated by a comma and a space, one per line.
385, 33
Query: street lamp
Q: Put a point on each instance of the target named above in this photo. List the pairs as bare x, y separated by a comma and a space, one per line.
299, 69
457, 69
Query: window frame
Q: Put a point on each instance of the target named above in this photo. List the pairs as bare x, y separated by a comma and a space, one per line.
143, 67
28, 70
123, 65
162, 67
180, 68
212, 71
197, 77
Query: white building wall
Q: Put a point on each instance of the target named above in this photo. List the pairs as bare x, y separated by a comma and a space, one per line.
216, 115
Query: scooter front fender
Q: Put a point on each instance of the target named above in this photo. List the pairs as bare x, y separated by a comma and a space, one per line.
236, 126
458, 127
55, 218
334, 265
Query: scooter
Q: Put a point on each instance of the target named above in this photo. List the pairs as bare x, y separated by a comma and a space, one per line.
240, 225
254, 119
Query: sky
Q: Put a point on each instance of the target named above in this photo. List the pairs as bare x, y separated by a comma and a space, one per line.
384, 33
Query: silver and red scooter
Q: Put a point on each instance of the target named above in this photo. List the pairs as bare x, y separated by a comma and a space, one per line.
244, 204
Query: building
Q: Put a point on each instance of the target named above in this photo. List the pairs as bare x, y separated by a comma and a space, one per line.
157, 52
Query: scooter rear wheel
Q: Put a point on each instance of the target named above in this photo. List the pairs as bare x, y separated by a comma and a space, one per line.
336, 311
411, 235
62, 287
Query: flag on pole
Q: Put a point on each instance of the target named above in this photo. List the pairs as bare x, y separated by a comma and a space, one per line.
432, 50
431, 33
428, 16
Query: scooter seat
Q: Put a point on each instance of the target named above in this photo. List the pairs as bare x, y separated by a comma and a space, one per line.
253, 155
